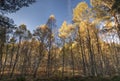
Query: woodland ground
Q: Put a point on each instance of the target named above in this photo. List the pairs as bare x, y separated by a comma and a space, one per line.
75, 78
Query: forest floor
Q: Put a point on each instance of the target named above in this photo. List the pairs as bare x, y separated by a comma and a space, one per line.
75, 78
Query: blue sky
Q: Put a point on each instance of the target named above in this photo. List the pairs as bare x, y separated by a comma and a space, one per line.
39, 12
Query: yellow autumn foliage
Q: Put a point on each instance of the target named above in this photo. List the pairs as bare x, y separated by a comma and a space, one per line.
74, 44
107, 3
63, 27
43, 27
109, 24
82, 27
62, 35
65, 30
78, 11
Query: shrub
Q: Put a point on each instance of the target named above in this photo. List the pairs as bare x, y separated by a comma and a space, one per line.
116, 78
20, 79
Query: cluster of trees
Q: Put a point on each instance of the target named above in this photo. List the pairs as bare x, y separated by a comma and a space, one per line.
81, 48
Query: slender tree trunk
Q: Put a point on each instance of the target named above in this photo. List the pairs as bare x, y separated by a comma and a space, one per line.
1, 56
49, 68
100, 57
41, 55
2, 41
6, 57
63, 59
55, 63
117, 59
49, 62
23, 71
29, 60
82, 52
95, 64
17, 57
92, 60
11, 57
72, 58
83, 59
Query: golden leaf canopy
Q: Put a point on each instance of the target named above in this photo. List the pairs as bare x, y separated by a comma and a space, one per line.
78, 11
65, 30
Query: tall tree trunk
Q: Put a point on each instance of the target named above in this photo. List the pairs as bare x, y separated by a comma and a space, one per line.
11, 56
49, 62
100, 56
2, 41
17, 57
41, 55
82, 52
72, 58
83, 59
63, 58
92, 60
1, 57
49, 68
117, 60
24, 62
6, 57
29, 60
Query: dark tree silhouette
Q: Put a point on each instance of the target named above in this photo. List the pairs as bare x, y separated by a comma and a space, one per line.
10, 6
6, 27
